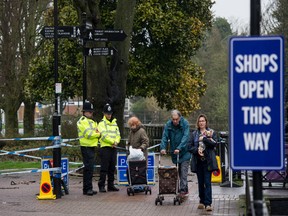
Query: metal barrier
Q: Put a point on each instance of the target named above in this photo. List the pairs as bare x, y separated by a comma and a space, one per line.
223, 149
277, 176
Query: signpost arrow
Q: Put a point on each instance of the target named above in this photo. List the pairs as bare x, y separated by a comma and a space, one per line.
63, 32
105, 35
99, 51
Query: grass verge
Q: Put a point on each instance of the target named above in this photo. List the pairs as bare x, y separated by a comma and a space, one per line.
19, 165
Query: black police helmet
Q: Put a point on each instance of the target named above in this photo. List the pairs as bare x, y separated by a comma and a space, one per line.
107, 109
87, 107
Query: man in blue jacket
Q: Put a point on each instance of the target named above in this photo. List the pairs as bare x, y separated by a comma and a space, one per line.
177, 131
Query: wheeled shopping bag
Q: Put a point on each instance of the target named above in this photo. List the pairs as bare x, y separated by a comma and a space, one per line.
168, 182
137, 177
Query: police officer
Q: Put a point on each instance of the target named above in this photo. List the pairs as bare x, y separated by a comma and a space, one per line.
110, 138
88, 136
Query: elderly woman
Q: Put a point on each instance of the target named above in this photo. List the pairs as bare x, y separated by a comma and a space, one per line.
137, 137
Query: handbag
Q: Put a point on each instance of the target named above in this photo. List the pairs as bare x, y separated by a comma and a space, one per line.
212, 165
193, 163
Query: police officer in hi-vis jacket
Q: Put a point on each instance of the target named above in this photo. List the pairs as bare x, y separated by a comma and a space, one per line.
110, 138
88, 136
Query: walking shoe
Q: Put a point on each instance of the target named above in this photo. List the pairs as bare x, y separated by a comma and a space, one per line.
89, 192
208, 208
102, 189
113, 188
201, 206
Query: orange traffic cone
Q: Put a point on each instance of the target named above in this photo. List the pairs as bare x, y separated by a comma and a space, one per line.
46, 187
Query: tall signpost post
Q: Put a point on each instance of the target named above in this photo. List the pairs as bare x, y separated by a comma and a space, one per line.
56, 116
256, 126
84, 75
255, 19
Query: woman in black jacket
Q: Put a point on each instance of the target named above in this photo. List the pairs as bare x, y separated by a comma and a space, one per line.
202, 145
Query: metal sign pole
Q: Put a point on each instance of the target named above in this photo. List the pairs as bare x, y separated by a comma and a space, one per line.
255, 18
84, 30
56, 116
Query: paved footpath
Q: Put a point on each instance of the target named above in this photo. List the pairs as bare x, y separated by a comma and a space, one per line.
19, 199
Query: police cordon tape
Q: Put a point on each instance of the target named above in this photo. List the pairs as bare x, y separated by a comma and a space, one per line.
72, 171
29, 150
55, 169
23, 155
49, 147
69, 145
50, 138
151, 147
35, 149
68, 140
125, 149
30, 156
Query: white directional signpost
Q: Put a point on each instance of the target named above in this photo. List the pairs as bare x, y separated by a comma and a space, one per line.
256, 103
96, 35
99, 51
63, 32
103, 35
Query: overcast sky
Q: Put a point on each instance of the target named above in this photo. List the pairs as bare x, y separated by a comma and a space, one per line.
235, 10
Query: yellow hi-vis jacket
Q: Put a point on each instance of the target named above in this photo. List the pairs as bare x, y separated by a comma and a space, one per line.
109, 132
88, 136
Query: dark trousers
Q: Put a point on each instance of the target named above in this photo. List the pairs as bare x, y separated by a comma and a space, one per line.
204, 183
108, 158
88, 157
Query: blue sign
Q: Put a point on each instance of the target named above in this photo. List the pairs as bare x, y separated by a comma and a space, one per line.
122, 168
64, 168
256, 126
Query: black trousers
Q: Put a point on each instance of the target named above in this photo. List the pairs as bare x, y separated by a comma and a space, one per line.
88, 157
108, 158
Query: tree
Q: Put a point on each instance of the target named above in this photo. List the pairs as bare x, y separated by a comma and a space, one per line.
213, 57
279, 10
17, 45
107, 83
157, 52
274, 22
39, 85
165, 35
148, 111
32, 15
